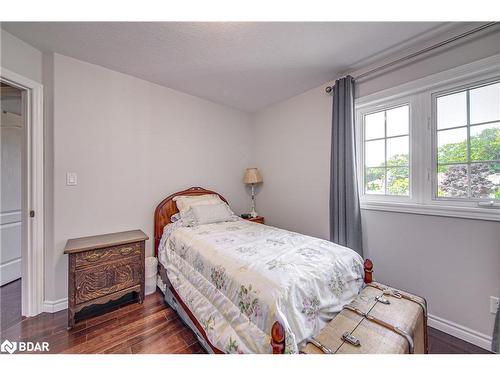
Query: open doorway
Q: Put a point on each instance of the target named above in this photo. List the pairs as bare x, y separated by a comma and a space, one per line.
21, 198
12, 168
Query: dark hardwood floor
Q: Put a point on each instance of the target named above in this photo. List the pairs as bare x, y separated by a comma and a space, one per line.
10, 304
152, 327
442, 343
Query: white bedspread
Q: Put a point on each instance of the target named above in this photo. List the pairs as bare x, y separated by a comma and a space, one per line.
239, 277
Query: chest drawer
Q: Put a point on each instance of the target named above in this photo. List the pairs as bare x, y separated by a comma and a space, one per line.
104, 279
93, 257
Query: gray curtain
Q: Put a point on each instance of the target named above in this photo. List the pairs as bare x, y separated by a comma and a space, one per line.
345, 215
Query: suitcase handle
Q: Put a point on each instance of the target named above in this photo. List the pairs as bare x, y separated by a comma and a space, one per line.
320, 346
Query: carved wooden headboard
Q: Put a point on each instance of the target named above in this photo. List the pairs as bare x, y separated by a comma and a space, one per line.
167, 208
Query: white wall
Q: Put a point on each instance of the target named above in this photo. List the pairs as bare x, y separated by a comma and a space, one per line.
292, 150
20, 57
459, 53
132, 143
454, 263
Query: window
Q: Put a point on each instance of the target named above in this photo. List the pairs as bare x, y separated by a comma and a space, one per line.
468, 144
432, 146
386, 151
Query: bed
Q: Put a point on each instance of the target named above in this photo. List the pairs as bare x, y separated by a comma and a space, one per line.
244, 287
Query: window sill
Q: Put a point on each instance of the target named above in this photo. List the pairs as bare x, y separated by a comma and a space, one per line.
477, 213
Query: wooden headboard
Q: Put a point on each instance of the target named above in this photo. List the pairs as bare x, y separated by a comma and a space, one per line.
167, 208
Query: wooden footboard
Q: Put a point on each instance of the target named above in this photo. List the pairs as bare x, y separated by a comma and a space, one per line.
368, 266
277, 330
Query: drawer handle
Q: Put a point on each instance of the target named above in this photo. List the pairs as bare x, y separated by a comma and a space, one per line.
93, 257
126, 250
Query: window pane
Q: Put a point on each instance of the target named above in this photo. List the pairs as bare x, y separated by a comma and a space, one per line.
375, 153
452, 181
452, 110
485, 104
452, 145
398, 121
398, 181
375, 125
485, 180
375, 180
397, 151
485, 142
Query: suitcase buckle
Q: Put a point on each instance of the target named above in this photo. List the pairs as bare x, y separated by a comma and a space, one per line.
350, 339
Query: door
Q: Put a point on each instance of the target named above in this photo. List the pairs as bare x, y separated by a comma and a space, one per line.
12, 139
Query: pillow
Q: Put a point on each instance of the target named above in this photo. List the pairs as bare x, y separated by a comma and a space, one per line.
184, 202
211, 213
188, 218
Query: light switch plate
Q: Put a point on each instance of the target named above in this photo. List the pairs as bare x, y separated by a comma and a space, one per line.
71, 179
494, 304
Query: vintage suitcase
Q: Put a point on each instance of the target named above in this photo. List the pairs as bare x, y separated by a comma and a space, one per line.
380, 320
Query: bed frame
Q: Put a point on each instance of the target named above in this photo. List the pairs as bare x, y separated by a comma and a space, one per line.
163, 212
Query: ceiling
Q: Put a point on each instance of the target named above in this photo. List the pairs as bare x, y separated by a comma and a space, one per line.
247, 66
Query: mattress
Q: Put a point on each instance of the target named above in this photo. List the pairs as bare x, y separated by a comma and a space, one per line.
239, 277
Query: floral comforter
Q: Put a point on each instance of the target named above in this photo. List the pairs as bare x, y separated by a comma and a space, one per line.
239, 277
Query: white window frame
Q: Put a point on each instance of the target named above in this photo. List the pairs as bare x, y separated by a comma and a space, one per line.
470, 202
360, 146
421, 94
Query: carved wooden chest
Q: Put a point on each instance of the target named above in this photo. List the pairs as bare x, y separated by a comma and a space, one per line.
104, 268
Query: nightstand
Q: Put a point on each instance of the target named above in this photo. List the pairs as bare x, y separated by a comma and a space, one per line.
258, 219
104, 268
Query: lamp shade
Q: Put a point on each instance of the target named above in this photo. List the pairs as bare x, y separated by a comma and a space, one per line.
252, 176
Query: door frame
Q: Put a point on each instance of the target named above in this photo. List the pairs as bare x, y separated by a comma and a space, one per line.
32, 242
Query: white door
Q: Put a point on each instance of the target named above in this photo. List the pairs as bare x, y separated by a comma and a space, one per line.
11, 134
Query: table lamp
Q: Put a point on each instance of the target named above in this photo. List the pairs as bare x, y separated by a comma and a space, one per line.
252, 177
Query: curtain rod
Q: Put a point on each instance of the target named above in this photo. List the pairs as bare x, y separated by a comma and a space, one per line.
329, 89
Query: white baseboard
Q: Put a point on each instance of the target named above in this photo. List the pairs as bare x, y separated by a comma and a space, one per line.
461, 332
54, 306
10, 271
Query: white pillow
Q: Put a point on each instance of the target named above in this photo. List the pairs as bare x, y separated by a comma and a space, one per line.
184, 202
211, 213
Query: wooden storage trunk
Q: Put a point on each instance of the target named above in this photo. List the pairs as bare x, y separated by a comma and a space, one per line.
380, 320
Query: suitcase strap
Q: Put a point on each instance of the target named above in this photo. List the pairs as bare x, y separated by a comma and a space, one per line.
390, 327
398, 294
